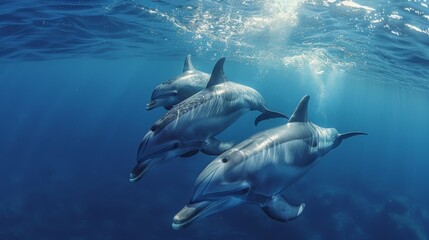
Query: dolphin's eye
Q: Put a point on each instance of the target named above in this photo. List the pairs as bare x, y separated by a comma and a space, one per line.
224, 160
176, 145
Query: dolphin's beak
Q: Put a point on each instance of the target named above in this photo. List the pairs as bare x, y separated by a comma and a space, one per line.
159, 102
147, 161
194, 211
204, 208
151, 105
144, 166
138, 171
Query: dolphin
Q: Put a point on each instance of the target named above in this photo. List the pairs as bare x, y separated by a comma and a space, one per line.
258, 169
191, 125
179, 88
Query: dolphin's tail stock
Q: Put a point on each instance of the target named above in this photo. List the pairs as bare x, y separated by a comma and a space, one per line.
268, 114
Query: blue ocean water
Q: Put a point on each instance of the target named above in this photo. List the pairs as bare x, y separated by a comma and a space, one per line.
75, 77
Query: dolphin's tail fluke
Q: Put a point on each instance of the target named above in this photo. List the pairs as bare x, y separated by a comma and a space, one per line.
268, 114
279, 209
350, 134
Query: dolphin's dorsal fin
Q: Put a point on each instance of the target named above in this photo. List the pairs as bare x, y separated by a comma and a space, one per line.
300, 114
218, 76
188, 64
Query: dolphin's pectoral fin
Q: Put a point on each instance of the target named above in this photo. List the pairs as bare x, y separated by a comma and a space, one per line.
279, 209
268, 114
212, 146
189, 154
168, 107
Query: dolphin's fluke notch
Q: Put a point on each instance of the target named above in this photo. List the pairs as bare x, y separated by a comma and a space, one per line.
268, 114
279, 209
300, 113
350, 134
188, 64
218, 75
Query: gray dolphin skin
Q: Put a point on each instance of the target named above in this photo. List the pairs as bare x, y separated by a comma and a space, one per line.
258, 169
179, 88
191, 125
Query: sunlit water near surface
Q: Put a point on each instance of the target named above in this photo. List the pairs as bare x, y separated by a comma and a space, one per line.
75, 78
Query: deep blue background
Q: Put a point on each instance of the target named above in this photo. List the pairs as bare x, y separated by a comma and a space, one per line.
70, 131
75, 79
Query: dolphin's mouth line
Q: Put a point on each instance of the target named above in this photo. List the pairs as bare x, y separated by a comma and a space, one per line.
152, 104
142, 169
153, 159
159, 99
